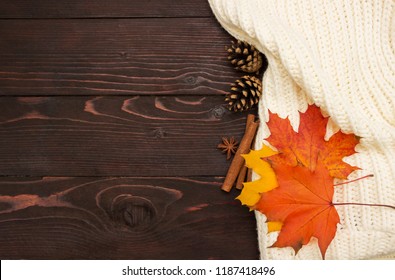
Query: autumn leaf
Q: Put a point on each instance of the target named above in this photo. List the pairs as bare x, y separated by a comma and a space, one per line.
307, 146
339, 146
295, 188
250, 194
302, 202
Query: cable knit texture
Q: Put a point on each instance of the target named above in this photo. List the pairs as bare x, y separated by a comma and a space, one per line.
339, 55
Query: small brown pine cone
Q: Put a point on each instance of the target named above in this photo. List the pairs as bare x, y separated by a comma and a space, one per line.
244, 94
244, 57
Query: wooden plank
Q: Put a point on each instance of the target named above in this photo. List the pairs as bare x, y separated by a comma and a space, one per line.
103, 8
114, 57
123, 218
115, 136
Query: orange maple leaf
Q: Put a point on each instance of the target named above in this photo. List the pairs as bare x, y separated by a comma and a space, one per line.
299, 199
308, 145
302, 202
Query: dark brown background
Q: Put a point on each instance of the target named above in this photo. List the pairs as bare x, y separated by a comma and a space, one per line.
110, 114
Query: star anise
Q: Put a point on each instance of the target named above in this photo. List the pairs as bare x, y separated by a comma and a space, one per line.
228, 146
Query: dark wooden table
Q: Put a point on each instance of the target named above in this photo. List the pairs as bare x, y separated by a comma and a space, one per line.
110, 114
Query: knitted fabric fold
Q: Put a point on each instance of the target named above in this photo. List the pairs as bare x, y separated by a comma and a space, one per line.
339, 55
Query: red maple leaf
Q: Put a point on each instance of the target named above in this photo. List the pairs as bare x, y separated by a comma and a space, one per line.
302, 202
307, 146
305, 167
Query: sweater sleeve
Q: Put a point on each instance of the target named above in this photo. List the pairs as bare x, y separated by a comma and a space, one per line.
339, 55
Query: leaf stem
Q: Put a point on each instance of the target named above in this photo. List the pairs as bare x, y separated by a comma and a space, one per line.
364, 204
347, 182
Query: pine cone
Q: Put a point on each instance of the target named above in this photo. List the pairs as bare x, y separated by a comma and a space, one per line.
244, 93
244, 57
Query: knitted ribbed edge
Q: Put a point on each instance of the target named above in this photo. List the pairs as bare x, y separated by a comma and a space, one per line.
339, 55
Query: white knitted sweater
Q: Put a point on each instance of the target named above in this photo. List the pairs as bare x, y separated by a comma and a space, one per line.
339, 55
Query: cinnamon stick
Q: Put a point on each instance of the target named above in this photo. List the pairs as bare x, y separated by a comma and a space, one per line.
241, 178
249, 171
238, 160
250, 120
243, 171
249, 175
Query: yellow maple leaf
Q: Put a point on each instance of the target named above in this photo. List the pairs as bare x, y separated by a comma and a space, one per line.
274, 226
251, 191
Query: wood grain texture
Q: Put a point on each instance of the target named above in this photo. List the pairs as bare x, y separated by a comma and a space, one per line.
115, 136
114, 57
110, 115
103, 8
123, 218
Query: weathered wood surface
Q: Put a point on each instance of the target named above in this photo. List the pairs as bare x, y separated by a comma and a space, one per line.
122, 218
115, 136
166, 56
103, 8
110, 114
